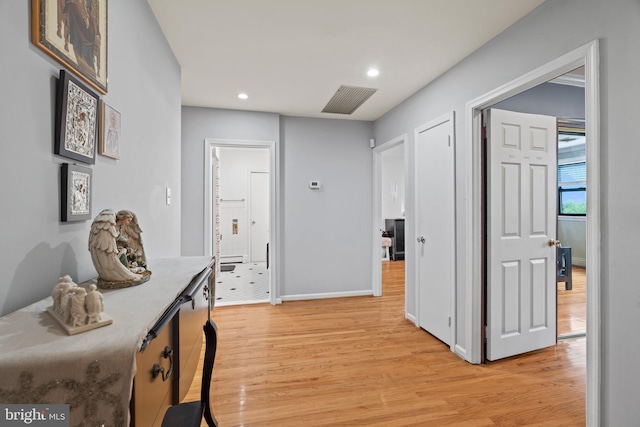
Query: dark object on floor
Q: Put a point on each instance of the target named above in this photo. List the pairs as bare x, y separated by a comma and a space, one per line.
227, 267
564, 264
190, 413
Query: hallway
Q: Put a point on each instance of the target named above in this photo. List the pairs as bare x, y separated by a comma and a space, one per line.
358, 361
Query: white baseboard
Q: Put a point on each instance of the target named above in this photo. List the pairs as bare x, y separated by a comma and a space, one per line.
301, 297
232, 258
230, 303
411, 318
460, 351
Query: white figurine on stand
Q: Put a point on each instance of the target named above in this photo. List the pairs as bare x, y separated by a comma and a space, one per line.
75, 309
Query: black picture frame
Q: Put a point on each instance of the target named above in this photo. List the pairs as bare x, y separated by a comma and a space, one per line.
76, 133
76, 187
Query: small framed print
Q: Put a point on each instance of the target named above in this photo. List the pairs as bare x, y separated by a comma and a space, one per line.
75, 193
110, 131
76, 120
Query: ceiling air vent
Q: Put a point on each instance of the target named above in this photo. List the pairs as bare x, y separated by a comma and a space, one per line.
347, 99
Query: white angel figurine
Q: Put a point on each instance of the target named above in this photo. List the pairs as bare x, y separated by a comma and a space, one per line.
115, 244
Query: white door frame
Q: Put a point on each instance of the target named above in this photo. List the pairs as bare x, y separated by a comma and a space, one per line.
274, 203
588, 56
377, 211
450, 118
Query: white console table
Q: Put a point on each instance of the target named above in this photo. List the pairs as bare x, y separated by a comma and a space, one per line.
94, 371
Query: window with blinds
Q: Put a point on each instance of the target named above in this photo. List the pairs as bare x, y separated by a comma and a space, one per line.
572, 190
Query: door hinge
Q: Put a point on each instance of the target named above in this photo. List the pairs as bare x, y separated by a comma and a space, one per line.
449, 321
486, 332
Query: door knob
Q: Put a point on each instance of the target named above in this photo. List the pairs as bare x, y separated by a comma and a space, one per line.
421, 239
553, 242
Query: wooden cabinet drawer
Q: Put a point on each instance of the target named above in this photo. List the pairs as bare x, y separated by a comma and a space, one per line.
152, 396
189, 335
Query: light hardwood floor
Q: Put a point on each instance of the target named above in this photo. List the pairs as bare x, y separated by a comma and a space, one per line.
572, 305
358, 362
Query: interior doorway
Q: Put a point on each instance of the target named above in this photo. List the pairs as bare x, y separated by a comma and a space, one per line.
240, 194
564, 98
389, 198
586, 56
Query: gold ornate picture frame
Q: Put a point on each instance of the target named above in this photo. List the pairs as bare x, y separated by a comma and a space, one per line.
74, 32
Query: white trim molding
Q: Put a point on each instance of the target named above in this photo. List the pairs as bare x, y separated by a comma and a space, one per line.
303, 297
588, 57
274, 204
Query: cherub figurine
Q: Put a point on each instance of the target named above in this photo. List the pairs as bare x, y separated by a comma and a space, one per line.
115, 244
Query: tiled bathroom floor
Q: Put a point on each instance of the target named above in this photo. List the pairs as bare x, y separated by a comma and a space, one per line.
248, 283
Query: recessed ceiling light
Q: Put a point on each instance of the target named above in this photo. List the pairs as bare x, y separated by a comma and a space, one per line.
372, 72
243, 96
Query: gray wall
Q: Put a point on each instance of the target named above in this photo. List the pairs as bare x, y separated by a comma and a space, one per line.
327, 232
550, 99
572, 232
198, 124
553, 29
144, 85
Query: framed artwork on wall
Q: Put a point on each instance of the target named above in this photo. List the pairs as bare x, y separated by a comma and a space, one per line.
75, 34
76, 120
75, 200
110, 131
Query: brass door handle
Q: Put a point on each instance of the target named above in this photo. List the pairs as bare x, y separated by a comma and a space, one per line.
553, 242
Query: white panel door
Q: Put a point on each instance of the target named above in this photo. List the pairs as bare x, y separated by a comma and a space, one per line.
435, 226
521, 233
259, 215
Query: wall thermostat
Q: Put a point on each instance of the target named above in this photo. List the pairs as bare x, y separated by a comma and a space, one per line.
314, 185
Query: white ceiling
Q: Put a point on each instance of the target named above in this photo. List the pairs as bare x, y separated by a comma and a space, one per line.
290, 56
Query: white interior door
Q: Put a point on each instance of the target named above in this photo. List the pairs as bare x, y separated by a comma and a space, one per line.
435, 226
521, 233
259, 215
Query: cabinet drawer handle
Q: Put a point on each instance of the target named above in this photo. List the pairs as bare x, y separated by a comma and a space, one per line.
159, 370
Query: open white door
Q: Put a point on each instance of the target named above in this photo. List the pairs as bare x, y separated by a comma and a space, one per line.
521, 233
435, 226
259, 215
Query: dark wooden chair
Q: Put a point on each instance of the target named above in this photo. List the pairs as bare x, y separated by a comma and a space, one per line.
190, 413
